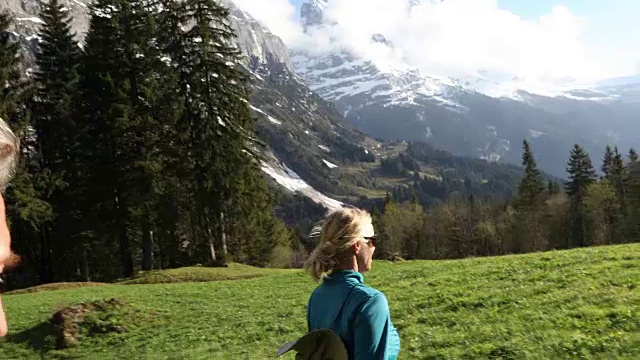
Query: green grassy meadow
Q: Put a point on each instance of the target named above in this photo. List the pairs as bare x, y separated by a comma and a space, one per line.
581, 303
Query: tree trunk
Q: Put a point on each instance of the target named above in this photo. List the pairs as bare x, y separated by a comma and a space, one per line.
212, 250
162, 240
85, 266
210, 241
223, 236
45, 258
147, 246
123, 237
125, 250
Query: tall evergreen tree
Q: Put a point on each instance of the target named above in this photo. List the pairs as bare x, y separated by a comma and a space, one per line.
607, 161
26, 211
121, 140
143, 76
56, 81
529, 205
216, 128
531, 187
616, 177
581, 176
103, 113
581, 173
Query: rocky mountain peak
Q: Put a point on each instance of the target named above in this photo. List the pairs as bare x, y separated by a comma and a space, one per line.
264, 52
312, 13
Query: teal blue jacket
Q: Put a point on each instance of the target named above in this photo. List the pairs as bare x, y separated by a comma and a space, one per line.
363, 323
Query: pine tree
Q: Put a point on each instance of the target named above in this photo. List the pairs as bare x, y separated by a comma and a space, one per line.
216, 127
607, 161
170, 207
617, 179
103, 110
253, 231
26, 211
116, 121
581, 173
130, 111
143, 76
531, 187
581, 176
528, 205
56, 80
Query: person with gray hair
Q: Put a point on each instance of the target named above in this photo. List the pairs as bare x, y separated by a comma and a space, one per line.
9, 149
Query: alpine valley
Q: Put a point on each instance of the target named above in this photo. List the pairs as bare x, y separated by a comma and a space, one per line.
405, 133
486, 115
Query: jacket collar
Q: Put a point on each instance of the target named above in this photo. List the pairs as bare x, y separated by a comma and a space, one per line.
345, 275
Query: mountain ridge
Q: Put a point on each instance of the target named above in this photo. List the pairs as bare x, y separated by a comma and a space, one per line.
464, 116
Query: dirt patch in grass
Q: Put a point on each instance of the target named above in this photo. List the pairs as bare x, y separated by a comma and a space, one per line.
68, 326
94, 318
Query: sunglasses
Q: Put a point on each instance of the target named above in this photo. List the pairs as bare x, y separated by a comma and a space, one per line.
370, 240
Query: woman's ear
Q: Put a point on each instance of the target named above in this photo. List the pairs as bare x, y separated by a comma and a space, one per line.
356, 247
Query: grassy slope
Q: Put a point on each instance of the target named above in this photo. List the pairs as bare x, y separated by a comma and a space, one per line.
580, 303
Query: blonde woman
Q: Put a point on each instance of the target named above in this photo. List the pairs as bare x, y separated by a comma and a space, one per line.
359, 314
9, 146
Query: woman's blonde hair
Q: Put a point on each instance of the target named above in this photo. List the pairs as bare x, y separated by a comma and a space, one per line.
336, 234
9, 148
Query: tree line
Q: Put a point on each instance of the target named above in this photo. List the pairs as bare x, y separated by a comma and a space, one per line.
138, 147
449, 175
589, 210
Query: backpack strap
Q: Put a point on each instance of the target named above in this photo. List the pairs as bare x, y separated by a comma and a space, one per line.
339, 314
320, 343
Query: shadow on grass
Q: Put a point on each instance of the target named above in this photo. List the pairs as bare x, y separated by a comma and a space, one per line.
63, 329
41, 337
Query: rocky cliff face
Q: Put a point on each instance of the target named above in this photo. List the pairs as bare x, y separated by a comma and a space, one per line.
261, 48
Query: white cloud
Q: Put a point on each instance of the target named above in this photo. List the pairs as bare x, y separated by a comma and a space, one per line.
279, 16
457, 38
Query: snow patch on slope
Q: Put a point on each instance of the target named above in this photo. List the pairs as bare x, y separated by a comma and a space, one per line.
291, 181
274, 120
31, 19
329, 164
324, 148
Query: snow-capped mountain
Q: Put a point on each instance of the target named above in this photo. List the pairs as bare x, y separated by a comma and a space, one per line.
487, 115
354, 82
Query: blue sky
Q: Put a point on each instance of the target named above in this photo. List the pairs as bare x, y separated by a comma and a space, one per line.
613, 23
